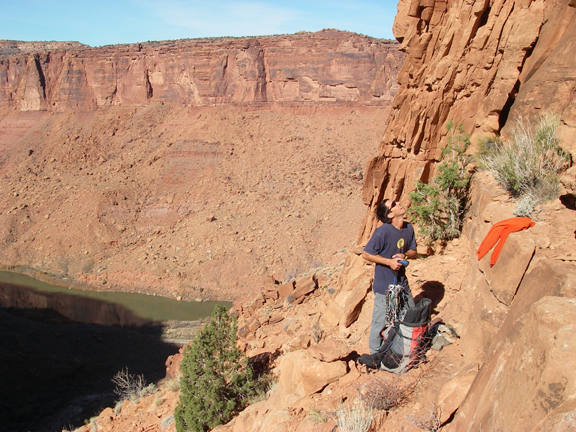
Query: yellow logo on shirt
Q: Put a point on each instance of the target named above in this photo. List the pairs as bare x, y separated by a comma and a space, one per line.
400, 243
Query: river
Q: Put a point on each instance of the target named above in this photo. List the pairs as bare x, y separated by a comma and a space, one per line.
60, 348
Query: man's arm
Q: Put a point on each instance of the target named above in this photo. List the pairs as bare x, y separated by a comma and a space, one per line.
389, 262
411, 254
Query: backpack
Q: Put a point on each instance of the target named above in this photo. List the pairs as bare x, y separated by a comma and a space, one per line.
406, 341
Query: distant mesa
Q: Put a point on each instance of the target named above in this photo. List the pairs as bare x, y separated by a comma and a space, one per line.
8, 47
326, 67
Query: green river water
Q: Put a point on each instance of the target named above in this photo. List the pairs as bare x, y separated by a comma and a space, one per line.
153, 308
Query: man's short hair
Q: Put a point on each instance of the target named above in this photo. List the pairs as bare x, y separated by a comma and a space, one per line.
382, 211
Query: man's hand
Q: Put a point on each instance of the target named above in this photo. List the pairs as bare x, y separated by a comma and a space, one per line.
394, 263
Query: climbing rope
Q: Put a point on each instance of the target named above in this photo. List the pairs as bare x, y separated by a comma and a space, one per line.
396, 303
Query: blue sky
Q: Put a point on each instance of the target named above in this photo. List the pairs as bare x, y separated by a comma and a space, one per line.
104, 22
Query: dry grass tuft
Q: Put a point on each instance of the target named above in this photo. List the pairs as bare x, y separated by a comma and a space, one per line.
385, 394
430, 422
130, 386
527, 165
354, 417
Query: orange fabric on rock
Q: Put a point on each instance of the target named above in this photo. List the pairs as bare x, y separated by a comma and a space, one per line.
499, 233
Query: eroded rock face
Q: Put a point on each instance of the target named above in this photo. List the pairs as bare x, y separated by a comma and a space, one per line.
482, 64
328, 66
530, 374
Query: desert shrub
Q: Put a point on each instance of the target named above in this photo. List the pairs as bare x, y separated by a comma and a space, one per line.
430, 422
317, 416
529, 163
526, 205
130, 386
354, 417
217, 381
438, 207
385, 394
173, 384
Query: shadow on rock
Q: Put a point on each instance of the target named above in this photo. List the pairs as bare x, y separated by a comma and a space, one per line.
55, 372
433, 290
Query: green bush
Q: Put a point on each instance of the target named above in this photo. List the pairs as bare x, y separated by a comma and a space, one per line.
438, 207
529, 163
216, 381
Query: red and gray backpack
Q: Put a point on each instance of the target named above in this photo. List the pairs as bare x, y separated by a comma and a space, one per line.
406, 341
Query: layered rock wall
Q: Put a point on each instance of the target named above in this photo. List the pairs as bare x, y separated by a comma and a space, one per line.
241, 143
329, 66
482, 64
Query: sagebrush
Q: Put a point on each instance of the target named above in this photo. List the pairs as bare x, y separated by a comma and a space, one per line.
354, 417
217, 381
431, 422
528, 164
130, 386
385, 394
438, 207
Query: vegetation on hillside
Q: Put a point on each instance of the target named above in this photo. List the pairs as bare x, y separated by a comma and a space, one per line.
217, 381
438, 206
528, 164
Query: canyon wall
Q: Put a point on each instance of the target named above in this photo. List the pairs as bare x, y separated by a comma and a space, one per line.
189, 168
482, 64
327, 66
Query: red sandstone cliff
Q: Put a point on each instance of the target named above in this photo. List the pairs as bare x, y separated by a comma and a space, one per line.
189, 168
482, 64
324, 67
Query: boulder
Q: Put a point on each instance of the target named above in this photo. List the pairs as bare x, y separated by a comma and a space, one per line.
505, 276
173, 364
545, 277
331, 315
452, 394
330, 350
285, 290
304, 287
300, 374
356, 281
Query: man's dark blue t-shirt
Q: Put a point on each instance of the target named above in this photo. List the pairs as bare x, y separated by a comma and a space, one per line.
386, 242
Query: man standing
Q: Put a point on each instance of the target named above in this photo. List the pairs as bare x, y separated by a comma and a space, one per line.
391, 242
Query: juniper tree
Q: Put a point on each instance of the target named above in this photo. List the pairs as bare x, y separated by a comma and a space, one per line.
216, 379
438, 207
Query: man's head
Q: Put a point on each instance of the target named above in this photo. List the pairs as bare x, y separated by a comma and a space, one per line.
388, 209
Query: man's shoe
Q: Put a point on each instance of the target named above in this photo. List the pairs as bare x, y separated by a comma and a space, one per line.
370, 360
